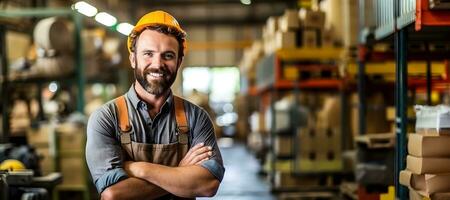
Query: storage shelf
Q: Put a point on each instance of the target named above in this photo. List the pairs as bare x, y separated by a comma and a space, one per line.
320, 84
316, 54
427, 17
33, 80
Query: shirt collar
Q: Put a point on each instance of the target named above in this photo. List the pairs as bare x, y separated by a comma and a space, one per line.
136, 101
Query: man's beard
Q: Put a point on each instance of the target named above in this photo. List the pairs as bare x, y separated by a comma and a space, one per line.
155, 87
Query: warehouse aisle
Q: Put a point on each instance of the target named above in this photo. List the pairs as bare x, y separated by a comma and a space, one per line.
241, 180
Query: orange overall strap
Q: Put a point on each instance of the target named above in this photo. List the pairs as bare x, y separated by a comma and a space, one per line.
180, 117
124, 122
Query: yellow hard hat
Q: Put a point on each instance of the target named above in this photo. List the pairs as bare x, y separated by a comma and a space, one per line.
12, 165
155, 17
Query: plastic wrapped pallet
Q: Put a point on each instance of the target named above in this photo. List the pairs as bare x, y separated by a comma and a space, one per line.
432, 120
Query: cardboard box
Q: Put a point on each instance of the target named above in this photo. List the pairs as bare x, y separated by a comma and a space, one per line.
440, 196
309, 38
289, 21
312, 19
329, 143
428, 146
436, 183
433, 131
285, 40
350, 20
73, 170
414, 195
328, 39
272, 25
283, 179
40, 137
71, 137
46, 160
330, 113
307, 141
419, 165
415, 181
283, 145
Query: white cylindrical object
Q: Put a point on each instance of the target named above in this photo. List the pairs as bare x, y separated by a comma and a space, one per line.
54, 33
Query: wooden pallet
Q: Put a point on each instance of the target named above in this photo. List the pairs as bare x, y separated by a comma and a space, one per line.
376, 141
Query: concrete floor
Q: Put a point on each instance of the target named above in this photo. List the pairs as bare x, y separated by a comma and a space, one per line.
241, 179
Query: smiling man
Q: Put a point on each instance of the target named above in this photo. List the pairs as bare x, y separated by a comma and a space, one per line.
149, 143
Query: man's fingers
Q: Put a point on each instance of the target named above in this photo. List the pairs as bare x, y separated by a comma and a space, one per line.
200, 157
201, 161
202, 150
196, 147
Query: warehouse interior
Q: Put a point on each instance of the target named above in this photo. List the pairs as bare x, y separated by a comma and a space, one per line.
309, 99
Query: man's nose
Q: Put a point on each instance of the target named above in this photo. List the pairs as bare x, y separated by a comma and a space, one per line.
157, 61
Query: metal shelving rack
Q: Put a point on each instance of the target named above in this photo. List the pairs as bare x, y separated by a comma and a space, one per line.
394, 20
76, 78
79, 78
274, 84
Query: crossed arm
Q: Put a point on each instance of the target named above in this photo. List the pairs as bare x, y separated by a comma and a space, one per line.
151, 181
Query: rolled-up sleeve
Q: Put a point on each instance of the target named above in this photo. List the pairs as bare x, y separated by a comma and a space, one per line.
104, 154
203, 131
216, 169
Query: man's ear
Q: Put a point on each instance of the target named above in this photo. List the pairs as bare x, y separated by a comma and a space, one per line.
132, 58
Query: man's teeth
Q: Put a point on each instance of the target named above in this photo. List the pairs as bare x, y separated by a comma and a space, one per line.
156, 74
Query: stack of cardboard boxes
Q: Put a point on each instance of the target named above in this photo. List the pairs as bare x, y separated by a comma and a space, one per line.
304, 28
427, 172
313, 147
320, 142
61, 148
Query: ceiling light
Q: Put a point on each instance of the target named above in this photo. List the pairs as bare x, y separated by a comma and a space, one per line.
246, 2
105, 19
125, 28
85, 8
53, 87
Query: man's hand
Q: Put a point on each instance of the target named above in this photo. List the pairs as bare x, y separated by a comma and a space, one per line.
196, 155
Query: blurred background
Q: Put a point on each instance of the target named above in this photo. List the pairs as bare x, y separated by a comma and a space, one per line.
310, 99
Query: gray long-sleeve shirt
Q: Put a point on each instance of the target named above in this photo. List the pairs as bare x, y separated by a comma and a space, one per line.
104, 154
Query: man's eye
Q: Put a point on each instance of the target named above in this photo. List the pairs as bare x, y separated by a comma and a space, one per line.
168, 56
148, 54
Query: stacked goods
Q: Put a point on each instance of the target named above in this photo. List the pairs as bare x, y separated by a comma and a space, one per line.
427, 172
304, 28
268, 34
376, 121
61, 148
320, 142
41, 139
249, 60
313, 28
70, 139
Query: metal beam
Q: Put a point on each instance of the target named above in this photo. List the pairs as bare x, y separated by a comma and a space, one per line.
4, 92
401, 109
213, 2
224, 21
